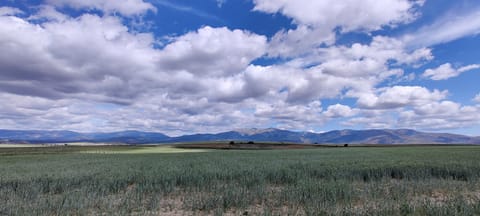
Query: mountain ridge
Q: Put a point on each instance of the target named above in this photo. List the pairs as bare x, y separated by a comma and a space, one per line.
346, 136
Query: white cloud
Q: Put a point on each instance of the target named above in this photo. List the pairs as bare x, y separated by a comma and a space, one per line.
386, 48
48, 12
452, 26
364, 59
372, 119
124, 7
444, 108
400, 96
213, 51
434, 115
26, 112
446, 71
75, 58
339, 110
477, 98
298, 41
98, 59
98, 74
288, 116
350, 14
440, 115
468, 68
90, 60
328, 72
6, 11
316, 21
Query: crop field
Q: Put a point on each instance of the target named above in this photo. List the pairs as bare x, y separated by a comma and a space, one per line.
123, 180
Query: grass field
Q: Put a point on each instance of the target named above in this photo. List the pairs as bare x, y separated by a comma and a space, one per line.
122, 180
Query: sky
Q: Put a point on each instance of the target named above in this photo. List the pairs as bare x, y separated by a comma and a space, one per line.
189, 66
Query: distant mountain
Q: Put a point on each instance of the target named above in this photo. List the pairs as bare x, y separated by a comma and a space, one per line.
400, 136
40, 136
129, 137
273, 135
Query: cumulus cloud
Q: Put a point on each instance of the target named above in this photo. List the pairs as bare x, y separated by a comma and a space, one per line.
477, 98
5, 11
124, 7
349, 15
97, 58
316, 21
93, 72
446, 71
27, 112
213, 51
339, 110
295, 42
440, 115
363, 60
412, 107
49, 13
85, 55
330, 71
435, 115
357, 69
372, 119
400, 96
287, 116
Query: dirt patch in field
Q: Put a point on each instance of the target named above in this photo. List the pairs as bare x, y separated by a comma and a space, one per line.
145, 150
245, 146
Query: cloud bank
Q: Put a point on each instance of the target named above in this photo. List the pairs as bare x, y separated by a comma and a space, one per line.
93, 72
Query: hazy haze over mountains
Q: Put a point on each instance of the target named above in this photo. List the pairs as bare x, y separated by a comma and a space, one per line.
400, 136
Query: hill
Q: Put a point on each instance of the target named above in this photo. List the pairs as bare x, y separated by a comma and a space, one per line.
399, 136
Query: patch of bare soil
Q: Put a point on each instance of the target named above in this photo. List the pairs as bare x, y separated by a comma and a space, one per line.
246, 146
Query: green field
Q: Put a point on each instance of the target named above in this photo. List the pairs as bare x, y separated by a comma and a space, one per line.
122, 180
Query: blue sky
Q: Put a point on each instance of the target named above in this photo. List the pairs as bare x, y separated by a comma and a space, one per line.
189, 66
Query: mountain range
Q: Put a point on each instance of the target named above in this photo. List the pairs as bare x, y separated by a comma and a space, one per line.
399, 136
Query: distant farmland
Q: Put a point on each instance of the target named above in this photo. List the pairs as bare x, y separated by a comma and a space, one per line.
125, 180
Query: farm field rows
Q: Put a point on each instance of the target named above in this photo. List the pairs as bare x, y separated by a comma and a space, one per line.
123, 180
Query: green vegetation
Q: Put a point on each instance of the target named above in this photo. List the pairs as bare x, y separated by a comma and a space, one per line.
321, 181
